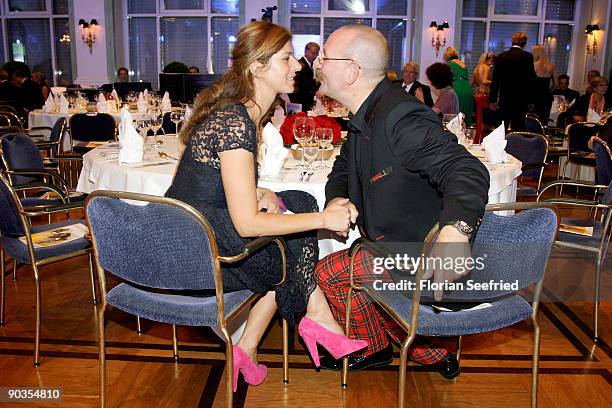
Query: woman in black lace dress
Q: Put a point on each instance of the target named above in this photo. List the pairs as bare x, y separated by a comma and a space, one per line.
217, 174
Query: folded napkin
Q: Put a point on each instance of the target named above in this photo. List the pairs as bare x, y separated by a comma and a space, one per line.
593, 116
102, 106
132, 144
114, 94
273, 152
166, 105
455, 126
146, 93
63, 104
49, 105
188, 113
495, 145
141, 103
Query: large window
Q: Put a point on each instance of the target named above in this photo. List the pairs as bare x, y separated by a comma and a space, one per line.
315, 20
488, 25
198, 33
38, 34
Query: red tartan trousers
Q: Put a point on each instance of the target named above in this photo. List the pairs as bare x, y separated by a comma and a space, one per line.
368, 321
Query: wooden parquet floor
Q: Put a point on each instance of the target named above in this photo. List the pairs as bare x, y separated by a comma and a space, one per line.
574, 371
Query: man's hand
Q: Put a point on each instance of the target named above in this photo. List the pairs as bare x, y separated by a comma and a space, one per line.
450, 244
493, 106
350, 206
267, 200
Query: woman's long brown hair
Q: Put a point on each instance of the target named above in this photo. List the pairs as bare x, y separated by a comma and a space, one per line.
257, 41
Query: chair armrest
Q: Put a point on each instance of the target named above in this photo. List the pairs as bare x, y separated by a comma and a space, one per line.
38, 172
575, 183
54, 209
577, 203
252, 247
39, 128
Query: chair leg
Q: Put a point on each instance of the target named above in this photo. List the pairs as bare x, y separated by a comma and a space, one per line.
138, 328
174, 343
93, 280
229, 374
14, 270
401, 392
285, 352
2, 289
38, 316
597, 295
459, 349
102, 357
535, 362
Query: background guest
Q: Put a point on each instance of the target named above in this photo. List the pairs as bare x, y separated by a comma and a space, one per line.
420, 91
392, 75
441, 78
481, 79
564, 90
194, 70
39, 78
545, 74
305, 84
512, 85
461, 83
123, 75
592, 74
596, 100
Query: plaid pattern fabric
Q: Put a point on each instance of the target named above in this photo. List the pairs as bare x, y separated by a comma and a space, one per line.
368, 321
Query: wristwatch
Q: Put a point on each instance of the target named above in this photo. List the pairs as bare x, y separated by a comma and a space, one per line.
462, 227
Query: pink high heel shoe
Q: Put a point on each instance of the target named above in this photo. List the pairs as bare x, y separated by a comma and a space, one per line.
253, 374
338, 345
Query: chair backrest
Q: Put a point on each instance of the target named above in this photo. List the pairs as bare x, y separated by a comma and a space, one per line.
86, 127
530, 149
20, 152
603, 161
533, 124
8, 108
11, 224
58, 130
578, 135
511, 249
164, 244
10, 119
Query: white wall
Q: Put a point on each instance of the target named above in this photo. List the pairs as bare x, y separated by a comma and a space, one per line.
438, 11
91, 67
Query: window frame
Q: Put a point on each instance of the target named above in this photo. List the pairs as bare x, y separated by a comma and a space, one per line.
539, 19
162, 12
325, 13
48, 14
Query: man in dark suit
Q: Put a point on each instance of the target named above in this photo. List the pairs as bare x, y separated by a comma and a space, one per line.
415, 88
564, 89
402, 173
513, 83
305, 84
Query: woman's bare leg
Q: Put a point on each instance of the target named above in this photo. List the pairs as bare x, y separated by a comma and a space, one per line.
319, 311
259, 318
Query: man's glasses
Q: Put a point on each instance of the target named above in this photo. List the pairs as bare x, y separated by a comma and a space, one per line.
322, 59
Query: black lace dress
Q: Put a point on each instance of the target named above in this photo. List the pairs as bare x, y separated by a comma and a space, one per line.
198, 183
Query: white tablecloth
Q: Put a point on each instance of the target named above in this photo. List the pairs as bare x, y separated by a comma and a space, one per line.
101, 171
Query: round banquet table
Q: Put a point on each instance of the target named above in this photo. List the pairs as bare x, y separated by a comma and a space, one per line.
102, 171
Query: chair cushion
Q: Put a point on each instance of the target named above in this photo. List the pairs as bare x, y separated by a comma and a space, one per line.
502, 313
580, 239
19, 251
172, 308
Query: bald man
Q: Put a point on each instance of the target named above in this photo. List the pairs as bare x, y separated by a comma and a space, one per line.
402, 173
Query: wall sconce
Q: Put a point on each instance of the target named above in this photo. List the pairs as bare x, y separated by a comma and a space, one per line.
590, 32
438, 35
88, 32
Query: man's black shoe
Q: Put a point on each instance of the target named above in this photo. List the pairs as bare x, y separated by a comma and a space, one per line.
448, 367
379, 359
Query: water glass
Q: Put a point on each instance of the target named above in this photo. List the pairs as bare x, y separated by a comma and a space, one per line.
155, 122
325, 137
303, 131
310, 152
177, 117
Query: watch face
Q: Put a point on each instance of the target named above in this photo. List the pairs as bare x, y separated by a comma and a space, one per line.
464, 227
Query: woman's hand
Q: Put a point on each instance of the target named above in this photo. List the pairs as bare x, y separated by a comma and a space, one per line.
267, 200
338, 216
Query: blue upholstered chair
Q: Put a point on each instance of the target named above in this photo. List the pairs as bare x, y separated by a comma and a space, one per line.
602, 230
15, 224
24, 166
554, 135
603, 161
531, 149
578, 152
159, 250
498, 239
88, 128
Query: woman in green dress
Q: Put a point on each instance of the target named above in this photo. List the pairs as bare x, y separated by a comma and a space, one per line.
461, 83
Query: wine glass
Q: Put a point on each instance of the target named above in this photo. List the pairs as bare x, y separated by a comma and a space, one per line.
155, 122
303, 130
324, 137
142, 127
310, 151
177, 117
447, 118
